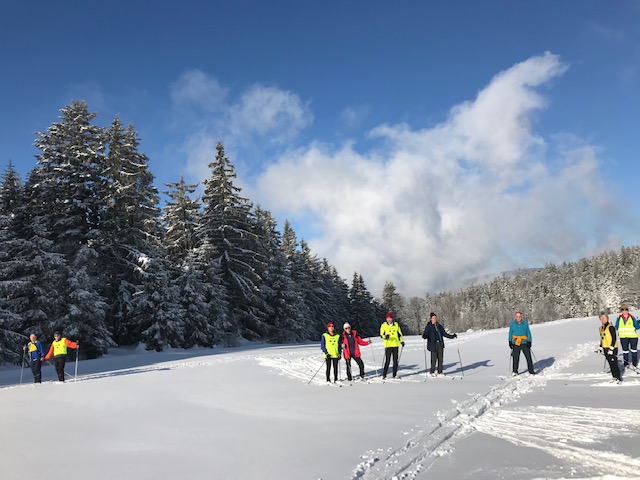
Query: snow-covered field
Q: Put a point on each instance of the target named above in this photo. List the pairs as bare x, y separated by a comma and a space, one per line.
250, 413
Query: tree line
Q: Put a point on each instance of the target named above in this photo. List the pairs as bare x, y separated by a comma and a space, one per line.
85, 248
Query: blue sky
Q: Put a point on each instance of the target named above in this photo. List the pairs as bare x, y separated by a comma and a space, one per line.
419, 142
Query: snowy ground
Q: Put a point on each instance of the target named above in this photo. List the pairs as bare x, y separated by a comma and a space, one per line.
251, 414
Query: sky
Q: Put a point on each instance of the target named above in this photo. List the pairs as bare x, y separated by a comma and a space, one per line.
258, 412
423, 143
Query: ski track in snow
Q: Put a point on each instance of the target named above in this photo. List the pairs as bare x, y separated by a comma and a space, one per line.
428, 444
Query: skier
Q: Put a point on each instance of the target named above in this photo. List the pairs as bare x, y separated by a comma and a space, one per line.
350, 345
520, 340
330, 345
626, 324
58, 351
434, 333
36, 357
392, 335
609, 346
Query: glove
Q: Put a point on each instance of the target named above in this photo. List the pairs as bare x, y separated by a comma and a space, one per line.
511, 345
455, 335
386, 337
402, 343
610, 351
600, 350
424, 336
530, 344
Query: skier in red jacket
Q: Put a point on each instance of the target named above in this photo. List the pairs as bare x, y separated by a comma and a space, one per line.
350, 347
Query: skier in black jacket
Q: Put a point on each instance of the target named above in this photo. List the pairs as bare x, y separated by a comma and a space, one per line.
434, 333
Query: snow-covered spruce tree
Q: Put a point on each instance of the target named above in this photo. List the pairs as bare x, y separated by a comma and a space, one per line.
227, 222
365, 314
11, 198
297, 272
286, 312
67, 201
132, 235
180, 218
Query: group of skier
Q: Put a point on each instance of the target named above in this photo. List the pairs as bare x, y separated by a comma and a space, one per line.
335, 346
626, 329
348, 344
57, 351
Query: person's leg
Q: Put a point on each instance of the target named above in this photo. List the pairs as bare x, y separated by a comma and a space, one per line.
624, 344
434, 360
516, 358
328, 362
36, 368
633, 348
395, 361
360, 366
59, 363
526, 349
348, 362
387, 359
613, 365
335, 368
440, 352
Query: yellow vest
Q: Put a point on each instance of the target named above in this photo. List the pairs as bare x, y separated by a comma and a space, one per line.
605, 337
32, 347
331, 343
59, 347
626, 329
394, 332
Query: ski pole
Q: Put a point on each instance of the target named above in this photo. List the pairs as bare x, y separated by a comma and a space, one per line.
534, 357
426, 370
461, 366
314, 375
374, 358
76, 372
22, 365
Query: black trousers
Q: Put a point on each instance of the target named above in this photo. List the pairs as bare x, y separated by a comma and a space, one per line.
388, 353
36, 369
360, 364
612, 360
436, 358
526, 349
629, 344
59, 363
332, 361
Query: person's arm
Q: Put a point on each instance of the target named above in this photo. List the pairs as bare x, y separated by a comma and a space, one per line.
40, 348
448, 335
362, 342
49, 353
323, 346
400, 336
614, 336
70, 344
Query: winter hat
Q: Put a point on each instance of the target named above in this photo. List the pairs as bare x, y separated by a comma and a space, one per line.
389, 315
346, 325
330, 324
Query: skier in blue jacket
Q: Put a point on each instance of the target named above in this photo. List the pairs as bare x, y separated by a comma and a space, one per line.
520, 341
36, 357
434, 333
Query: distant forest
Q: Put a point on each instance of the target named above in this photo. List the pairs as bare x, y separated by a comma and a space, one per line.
86, 249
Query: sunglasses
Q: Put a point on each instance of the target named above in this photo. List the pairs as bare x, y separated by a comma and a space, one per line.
625, 309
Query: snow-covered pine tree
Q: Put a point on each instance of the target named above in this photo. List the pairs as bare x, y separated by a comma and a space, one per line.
227, 223
365, 314
286, 313
132, 234
180, 218
71, 163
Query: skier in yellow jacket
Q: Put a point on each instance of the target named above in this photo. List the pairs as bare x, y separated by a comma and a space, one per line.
392, 335
58, 351
609, 345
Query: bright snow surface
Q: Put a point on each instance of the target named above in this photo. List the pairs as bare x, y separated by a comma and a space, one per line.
250, 413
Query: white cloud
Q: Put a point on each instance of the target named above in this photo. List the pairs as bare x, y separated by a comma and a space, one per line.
479, 193
197, 90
